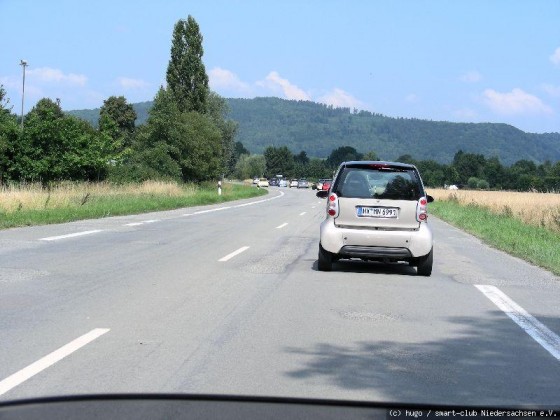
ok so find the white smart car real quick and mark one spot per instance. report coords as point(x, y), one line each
point(377, 211)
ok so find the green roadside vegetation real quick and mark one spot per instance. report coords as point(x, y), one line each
point(111, 204)
point(531, 243)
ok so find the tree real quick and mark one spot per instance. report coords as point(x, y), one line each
point(217, 111)
point(371, 155)
point(186, 75)
point(117, 119)
point(117, 110)
point(176, 145)
point(301, 158)
point(494, 172)
point(317, 168)
point(9, 132)
point(342, 154)
point(55, 147)
point(469, 165)
point(279, 161)
point(239, 149)
point(250, 166)
point(200, 147)
point(5, 107)
point(156, 151)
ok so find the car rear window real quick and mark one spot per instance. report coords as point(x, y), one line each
point(381, 183)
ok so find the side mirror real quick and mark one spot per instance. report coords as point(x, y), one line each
point(322, 194)
point(430, 199)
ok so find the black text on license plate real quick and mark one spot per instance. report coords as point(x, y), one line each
point(383, 212)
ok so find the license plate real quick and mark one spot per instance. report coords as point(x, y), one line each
point(381, 212)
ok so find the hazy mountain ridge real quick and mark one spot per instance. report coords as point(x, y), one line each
point(318, 129)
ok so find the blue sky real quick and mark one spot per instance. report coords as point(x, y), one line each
point(467, 61)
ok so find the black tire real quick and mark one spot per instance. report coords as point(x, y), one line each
point(424, 264)
point(325, 260)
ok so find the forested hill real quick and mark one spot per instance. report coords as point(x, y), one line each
point(318, 129)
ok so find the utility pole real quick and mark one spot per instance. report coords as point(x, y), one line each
point(23, 64)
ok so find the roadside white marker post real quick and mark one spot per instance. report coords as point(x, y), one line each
point(219, 187)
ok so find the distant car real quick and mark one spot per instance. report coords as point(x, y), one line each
point(283, 183)
point(273, 182)
point(263, 182)
point(326, 184)
point(320, 184)
point(303, 183)
point(256, 181)
point(294, 183)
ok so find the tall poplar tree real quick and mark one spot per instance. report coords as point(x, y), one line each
point(186, 75)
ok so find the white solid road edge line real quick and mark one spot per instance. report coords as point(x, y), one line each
point(33, 369)
point(70, 235)
point(260, 201)
point(282, 225)
point(537, 330)
point(211, 210)
point(234, 253)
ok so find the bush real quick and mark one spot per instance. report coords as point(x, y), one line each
point(482, 184)
point(473, 182)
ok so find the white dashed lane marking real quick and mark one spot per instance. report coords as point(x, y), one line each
point(70, 235)
point(50, 359)
point(233, 254)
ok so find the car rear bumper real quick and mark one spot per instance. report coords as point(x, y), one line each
point(371, 243)
point(356, 251)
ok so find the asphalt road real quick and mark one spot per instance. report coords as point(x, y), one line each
point(227, 299)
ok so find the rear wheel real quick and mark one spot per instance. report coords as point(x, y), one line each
point(325, 260)
point(424, 264)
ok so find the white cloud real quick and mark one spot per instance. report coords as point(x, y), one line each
point(412, 98)
point(10, 82)
point(551, 90)
point(555, 57)
point(129, 83)
point(275, 82)
point(227, 80)
point(515, 102)
point(472, 76)
point(46, 74)
point(339, 98)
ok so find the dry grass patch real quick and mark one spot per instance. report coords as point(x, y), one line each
point(20, 197)
point(533, 208)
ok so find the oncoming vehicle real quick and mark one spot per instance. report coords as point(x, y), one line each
point(294, 183)
point(377, 211)
point(283, 183)
point(263, 182)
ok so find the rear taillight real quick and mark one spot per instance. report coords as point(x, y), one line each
point(332, 205)
point(422, 210)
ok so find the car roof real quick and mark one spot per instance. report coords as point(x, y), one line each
point(359, 163)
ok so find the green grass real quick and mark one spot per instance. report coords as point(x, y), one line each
point(123, 204)
point(537, 245)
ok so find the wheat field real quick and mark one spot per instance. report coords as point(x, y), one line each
point(538, 209)
point(74, 194)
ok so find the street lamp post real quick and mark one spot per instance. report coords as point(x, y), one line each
point(23, 64)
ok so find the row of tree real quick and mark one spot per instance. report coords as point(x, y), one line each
point(467, 169)
point(186, 136)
